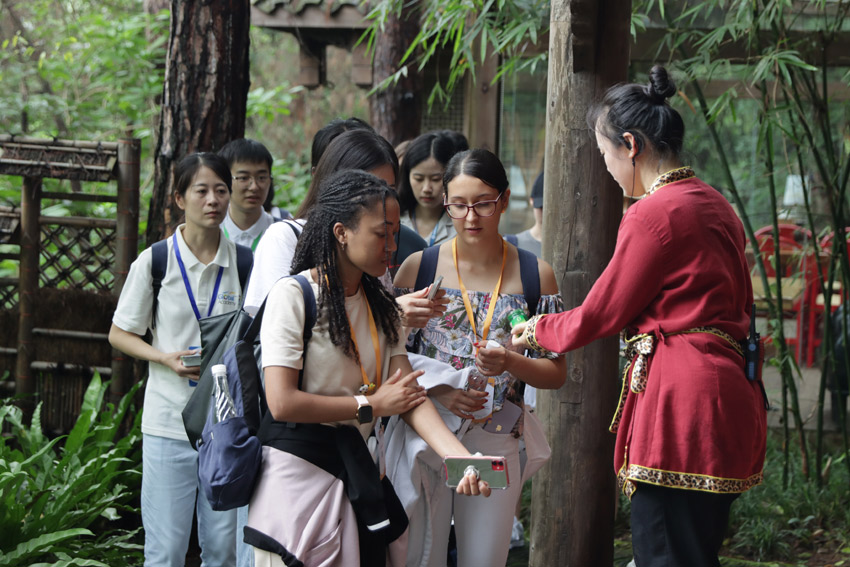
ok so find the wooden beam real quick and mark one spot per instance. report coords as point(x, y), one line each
point(25, 385)
point(574, 494)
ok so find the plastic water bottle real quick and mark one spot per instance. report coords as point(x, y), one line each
point(224, 406)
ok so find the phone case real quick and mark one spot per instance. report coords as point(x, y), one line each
point(191, 360)
point(492, 469)
point(435, 288)
point(503, 421)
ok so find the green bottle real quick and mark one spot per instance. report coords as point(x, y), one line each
point(516, 317)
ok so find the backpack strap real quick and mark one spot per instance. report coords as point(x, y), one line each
point(253, 330)
point(244, 263)
point(427, 267)
point(530, 276)
point(159, 262)
point(512, 239)
point(296, 228)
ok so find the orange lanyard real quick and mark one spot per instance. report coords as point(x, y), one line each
point(368, 386)
point(495, 295)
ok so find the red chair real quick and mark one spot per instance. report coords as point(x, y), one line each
point(797, 265)
point(816, 300)
point(794, 232)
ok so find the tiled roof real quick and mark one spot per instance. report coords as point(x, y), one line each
point(296, 7)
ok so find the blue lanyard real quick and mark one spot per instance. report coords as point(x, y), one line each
point(189, 288)
point(433, 236)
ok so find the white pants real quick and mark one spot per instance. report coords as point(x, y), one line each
point(482, 525)
point(170, 497)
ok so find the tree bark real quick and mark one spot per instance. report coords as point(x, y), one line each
point(205, 93)
point(574, 494)
point(396, 112)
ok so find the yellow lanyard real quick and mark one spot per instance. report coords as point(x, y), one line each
point(368, 386)
point(495, 295)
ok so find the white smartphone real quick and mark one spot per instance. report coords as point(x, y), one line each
point(492, 469)
point(191, 359)
point(435, 287)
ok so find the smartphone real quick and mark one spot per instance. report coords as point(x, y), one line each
point(191, 359)
point(492, 469)
point(435, 287)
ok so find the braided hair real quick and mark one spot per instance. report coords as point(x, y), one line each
point(343, 197)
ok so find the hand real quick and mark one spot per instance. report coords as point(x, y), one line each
point(398, 395)
point(519, 337)
point(492, 361)
point(459, 402)
point(172, 361)
point(471, 485)
point(417, 309)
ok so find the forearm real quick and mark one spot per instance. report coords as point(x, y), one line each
point(544, 373)
point(287, 403)
point(133, 345)
point(426, 421)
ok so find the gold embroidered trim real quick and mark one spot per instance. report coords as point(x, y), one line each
point(531, 334)
point(672, 176)
point(627, 477)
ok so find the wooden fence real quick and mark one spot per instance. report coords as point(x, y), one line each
point(56, 312)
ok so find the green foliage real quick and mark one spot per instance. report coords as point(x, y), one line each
point(468, 29)
point(62, 498)
point(777, 522)
point(86, 69)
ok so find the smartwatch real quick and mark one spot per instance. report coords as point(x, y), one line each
point(364, 410)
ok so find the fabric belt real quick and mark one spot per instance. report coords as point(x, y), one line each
point(637, 352)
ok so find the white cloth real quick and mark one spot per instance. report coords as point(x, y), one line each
point(415, 470)
point(176, 325)
point(253, 233)
point(272, 261)
point(328, 371)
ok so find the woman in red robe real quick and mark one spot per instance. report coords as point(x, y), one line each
point(690, 425)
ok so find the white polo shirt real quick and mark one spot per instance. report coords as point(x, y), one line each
point(250, 237)
point(272, 260)
point(177, 328)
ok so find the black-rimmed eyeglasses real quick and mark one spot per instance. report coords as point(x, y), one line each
point(481, 208)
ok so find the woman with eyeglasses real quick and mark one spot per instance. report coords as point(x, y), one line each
point(481, 276)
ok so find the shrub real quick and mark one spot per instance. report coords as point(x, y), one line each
point(62, 498)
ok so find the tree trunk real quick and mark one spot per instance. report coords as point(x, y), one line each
point(205, 93)
point(396, 112)
point(574, 494)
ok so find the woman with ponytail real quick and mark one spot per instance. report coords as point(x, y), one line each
point(691, 424)
point(320, 498)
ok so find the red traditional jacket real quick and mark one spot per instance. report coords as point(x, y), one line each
point(690, 419)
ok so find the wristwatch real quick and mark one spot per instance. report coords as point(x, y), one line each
point(364, 410)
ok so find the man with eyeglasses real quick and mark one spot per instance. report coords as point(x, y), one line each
point(250, 164)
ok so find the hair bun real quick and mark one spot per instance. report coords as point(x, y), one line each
point(660, 86)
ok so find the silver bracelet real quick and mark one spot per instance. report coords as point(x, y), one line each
point(471, 470)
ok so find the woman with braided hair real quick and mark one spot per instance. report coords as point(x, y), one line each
point(691, 424)
point(320, 498)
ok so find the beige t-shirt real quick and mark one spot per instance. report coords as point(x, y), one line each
point(328, 370)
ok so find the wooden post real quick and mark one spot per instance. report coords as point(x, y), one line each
point(481, 119)
point(574, 494)
point(25, 384)
point(127, 242)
